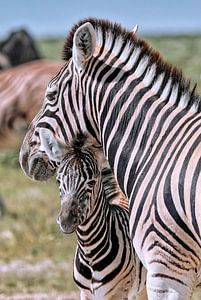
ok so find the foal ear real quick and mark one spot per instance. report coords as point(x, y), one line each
point(54, 149)
point(84, 43)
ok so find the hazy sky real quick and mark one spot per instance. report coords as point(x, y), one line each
point(55, 17)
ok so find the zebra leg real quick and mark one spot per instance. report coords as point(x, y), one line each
point(161, 288)
point(142, 295)
point(83, 296)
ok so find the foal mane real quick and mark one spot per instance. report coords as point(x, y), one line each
point(154, 58)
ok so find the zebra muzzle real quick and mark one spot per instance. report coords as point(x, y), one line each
point(39, 168)
point(68, 218)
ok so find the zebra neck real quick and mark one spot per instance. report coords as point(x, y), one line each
point(131, 98)
point(96, 228)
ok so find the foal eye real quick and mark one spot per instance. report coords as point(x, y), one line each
point(31, 144)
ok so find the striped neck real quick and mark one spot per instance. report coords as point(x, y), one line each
point(91, 233)
point(134, 85)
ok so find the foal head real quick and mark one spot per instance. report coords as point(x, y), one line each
point(79, 181)
point(79, 175)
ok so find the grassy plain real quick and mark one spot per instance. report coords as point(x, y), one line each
point(28, 230)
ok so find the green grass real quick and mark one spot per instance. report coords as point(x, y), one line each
point(28, 230)
point(183, 51)
point(51, 48)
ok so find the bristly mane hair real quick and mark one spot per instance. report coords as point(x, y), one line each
point(167, 69)
point(81, 143)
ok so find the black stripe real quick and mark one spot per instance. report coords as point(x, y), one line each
point(193, 196)
point(168, 277)
point(157, 168)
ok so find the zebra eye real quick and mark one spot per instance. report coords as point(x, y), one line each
point(31, 144)
point(91, 183)
point(51, 95)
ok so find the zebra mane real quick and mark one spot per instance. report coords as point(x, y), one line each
point(82, 141)
point(80, 145)
point(192, 99)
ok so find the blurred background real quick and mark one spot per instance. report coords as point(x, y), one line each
point(35, 258)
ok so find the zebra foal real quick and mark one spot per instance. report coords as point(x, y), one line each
point(105, 266)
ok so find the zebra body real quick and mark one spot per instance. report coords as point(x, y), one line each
point(146, 118)
point(104, 264)
point(21, 93)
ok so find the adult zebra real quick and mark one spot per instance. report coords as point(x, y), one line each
point(148, 121)
point(105, 266)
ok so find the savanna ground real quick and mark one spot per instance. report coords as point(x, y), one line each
point(35, 258)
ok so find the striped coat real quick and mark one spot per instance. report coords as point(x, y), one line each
point(147, 119)
point(105, 266)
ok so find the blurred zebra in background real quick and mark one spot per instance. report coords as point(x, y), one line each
point(21, 94)
point(105, 266)
point(19, 47)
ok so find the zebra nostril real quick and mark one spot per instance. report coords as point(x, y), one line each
point(75, 221)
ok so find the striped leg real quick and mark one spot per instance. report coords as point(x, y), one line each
point(83, 296)
point(166, 289)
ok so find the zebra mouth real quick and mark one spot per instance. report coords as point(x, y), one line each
point(40, 168)
point(67, 230)
point(68, 227)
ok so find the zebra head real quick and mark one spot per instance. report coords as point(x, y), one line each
point(78, 176)
point(74, 98)
point(33, 159)
point(62, 117)
point(79, 181)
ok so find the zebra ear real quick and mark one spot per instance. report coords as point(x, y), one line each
point(84, 43)
point(54, 149)
point(135, 29)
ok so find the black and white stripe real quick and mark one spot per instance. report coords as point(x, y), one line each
point(147, 119)
point(104, 265)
